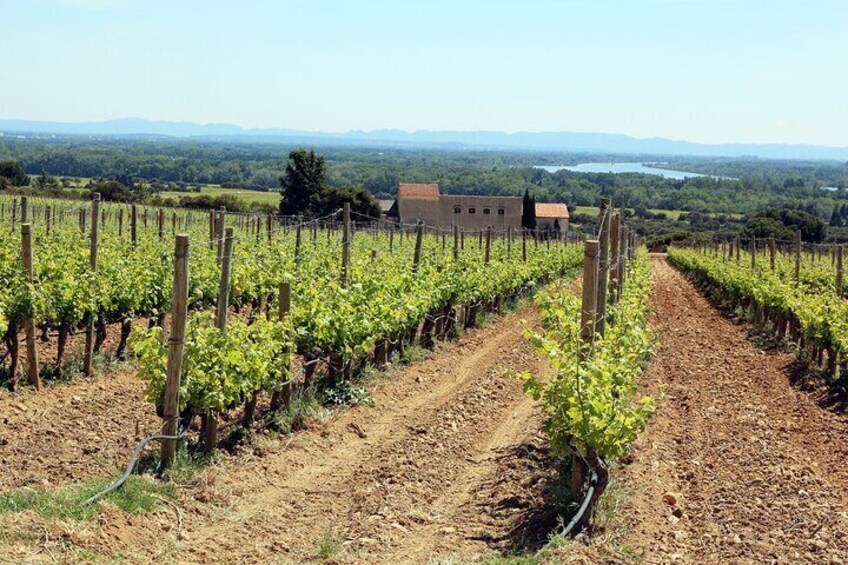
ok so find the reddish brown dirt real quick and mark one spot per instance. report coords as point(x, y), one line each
point(71, 431)
point(446, 462)
point(757, 469)
point(737, 466)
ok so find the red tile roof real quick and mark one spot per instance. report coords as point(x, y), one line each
point(545, 210)
point(418, 191)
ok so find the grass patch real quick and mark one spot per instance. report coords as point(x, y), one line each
point(248, 196)
point(414, 352)
point(137, 495)
point(304, 410)
point(329, 546)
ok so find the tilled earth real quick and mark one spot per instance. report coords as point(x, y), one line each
point(737, 465)
point(449, 461)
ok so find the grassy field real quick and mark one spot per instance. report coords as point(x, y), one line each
point(670, 214)
point(249, 196)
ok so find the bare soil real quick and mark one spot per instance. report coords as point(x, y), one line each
point(448, 461)
point(737, 465)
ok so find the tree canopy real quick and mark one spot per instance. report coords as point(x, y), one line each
point(783, 224)
point(305, 191)
point(13, 173)
point(528, 211)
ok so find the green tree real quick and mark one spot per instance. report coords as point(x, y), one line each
point(528, 211)
point(305, 192)
point(302, 183)
point(46, 182)
point(114, 191)
point(14, 173)
point(783, 223)
point(835, 218)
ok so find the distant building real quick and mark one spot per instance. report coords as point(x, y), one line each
point(385, 207)
point(424, 202)
point(552, 216)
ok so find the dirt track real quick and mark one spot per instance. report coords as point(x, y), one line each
point(737, 466)
point(437, 466)
point(759, 469)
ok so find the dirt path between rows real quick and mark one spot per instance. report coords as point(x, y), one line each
point(449, 462)
point(757, 469)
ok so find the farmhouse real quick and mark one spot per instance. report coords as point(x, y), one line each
point(424, 202)
point(552, 216)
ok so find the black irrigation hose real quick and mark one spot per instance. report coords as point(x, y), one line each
point(131, 465)
point(582, 510)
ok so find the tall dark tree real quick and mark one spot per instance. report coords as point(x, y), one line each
point(305, 192)
point(302, 183)
point(528, 211)
point(14, 173)
point(836, 217)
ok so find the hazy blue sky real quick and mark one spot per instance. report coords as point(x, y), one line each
point(703, 70)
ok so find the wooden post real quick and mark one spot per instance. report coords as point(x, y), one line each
point(14, 212)
point(282, 396)
point(772, 251)
point(89, 328)
point(47, 219)
point(224, 283)
point(456, 243)
point(738, 250)
point(213, 228)
point(210, 439)
point(588, 320)
point(346, 245)
point(588, 317)
point(623, 254)
point(488, 245)
point(134, 224)
point(29, 323)
point(24, 209)
point(179, 310)
point(419, 237)
point(297, 243)
point(524, 245)
point(753, 247)
point(839, 263)
point(268, 226)
point(606, 221)
point(160, 223)
point(615, 245)
point(219, 233)
point(120, 222)
point(509, 242)
point(798, 256)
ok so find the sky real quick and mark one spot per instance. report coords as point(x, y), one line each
point(712, 71)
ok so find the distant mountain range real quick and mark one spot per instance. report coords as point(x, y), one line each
point(574, 142)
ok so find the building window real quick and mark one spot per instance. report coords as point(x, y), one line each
point(486, 211)
point(501, 211)
point(472, 210)
point(457, 210)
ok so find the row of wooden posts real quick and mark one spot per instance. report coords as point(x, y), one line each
point(605, 263)
point(92, 219)
point(224, 237)
point(733, 248)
